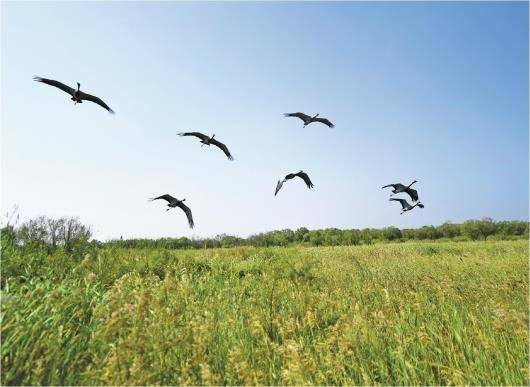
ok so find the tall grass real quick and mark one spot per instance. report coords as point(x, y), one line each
point(414, 313)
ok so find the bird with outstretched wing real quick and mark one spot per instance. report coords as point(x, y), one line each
point(206, 140)
point(308, 119)
point(174, 202)
point(304, 176)
point(77, 95)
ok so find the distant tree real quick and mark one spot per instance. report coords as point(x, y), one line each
point(300, 233)
point(367, 236)
point(33, 233)
point(331, 237)
point(391, 233)
point(52, 233)
point(450, 230)
point(315, 238)
point(477, 229)
point(74, 232)
point(350, 237)
point(55, 228)
point(229, 241)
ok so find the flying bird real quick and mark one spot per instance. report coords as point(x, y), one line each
point(399, 188)
point(406, 206)
point(290, 176)
point(174, 202)
point(308, 119)
point(77, 95)
point(205, 140)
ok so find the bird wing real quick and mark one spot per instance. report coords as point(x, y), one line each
point(93, 98)
point(302, 116)
point(396, 186)
point(223, 147)
point(169, 198)
point(57, 84)
point(324, 121)
point(403, 202)
point(187, 211)
point(413, 194)
point(305, 178)
point(389, 185)
point(195, 134)
point(279, 186)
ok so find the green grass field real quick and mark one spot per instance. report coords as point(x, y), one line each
point(411, 313)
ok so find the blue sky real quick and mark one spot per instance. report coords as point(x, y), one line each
point(436, 92)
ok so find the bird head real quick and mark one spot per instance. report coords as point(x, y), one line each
point(420, 204)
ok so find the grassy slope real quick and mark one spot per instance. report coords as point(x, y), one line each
point(414, 313)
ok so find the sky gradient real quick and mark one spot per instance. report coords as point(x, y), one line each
point(436, 92)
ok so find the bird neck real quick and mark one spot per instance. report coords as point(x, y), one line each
point(411, 184)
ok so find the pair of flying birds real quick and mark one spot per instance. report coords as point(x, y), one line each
point(400, 188)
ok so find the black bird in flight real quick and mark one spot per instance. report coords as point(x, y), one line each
point(205, 140)
point(406, 206)
point(308, 119)
point(399, 188)
point(290, 176)
point(174, 202)
point(77, 95)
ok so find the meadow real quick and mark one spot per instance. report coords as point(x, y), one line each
point(398, 313)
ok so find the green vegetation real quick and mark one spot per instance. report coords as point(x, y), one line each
point(469, 230)
point(69, 233)
point(395, 313)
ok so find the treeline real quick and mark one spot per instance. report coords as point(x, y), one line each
point(70, 234)
point(470, 230)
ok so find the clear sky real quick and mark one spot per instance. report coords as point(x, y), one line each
point(436, 92)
